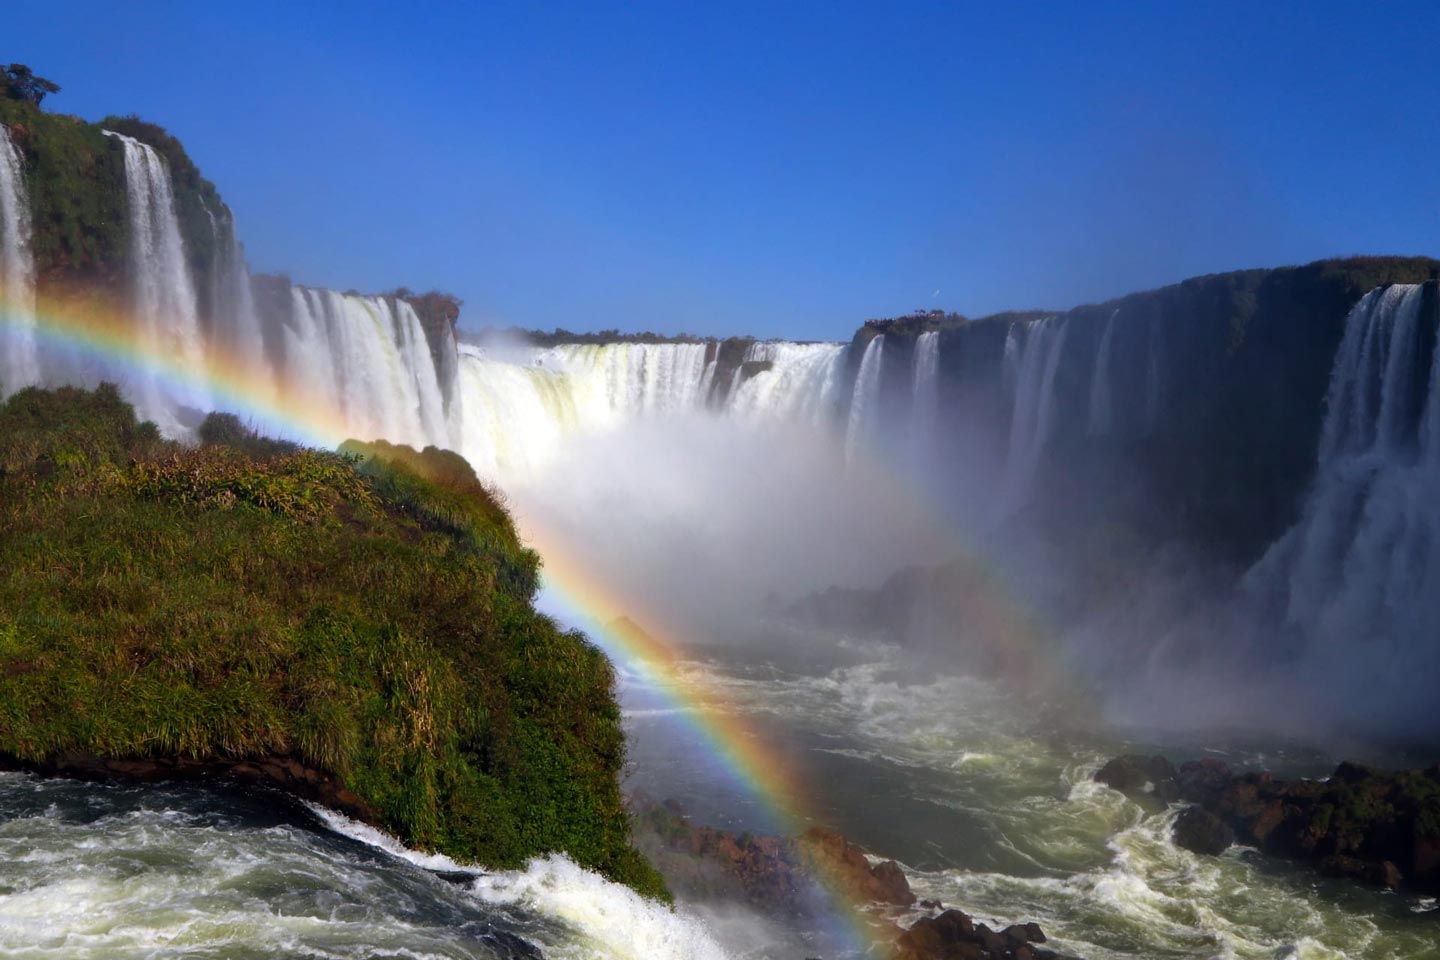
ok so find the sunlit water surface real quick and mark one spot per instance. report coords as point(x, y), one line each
point(984, 796)
point(988, 800)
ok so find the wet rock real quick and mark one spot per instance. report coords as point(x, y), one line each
point(775, 874)
point(1131, 773)
point(1383, 874)
point(845, 865)
point(953, 935)
point(1199, 830)
point(1025, 933)
point(1374, 826)
point(1202, 781)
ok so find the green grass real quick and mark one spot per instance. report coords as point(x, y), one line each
point(368, 614)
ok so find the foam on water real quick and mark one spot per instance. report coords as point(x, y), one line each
point(91, 871)
point(611, 920)
point(1023, 832)
point(614, 920)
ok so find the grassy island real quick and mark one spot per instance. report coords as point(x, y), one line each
point(356, 627)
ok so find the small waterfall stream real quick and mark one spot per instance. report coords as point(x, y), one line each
point(19, 361)
point(1034, 358)
point(1359, 574)
point(864, 401)
point(162, 290)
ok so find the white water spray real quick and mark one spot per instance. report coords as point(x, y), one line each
point(801, 384)
point(162, 290)
point(865, 401)
point(19, 359)
point(925, 397)
point(1102, 393)
point(1359, 574)
point(1033, 358)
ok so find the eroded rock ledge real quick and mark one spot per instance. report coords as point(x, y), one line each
point(1376, 826)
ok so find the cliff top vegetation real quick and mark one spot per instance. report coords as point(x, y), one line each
point(363, 617)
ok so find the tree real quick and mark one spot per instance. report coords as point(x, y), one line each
point(22, 84)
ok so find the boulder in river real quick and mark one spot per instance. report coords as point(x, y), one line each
point(953, 935)
point(1199, 830)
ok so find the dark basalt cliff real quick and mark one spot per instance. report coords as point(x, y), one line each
point(1223, 456)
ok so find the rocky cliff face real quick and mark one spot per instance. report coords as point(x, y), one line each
point(1191, 412)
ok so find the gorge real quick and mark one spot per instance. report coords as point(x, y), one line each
point(1203, 509)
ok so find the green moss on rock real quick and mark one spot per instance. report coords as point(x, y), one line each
point(76, 180)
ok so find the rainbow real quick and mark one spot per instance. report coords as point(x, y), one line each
point(110, 338)
point(740, 749)
point(102, 336)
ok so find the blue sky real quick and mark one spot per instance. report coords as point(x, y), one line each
point(776, 169)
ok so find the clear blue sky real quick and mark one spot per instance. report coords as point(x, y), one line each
point(778, 169)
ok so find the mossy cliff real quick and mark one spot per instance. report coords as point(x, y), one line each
point(75, 176)
point(356, 628)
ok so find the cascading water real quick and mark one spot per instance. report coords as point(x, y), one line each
point(520, 410)
point(925, 398)
point(707, 379)
point(19, 359)
point(614, 382)
point(864, 401)
point(800, 385)
point(163, 293)
point(1102, 402)
point(367, 358)
point(238, 332)
point(1032, 359)
point(1359, 574)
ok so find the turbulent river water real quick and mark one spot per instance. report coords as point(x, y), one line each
point(985, 797)
point(98, 871)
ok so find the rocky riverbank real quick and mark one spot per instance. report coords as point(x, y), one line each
point(1375, 826)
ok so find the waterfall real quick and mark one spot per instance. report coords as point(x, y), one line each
point(163, 294)
point(707, 379)
point(864, 400)
point(367, 366)
point(519, 411)
point(420, 369)
point(925, 399)
point(617, 381)
point(19, 360)
point(1032, 363)
point(801, 384)
point(368, 360)
point(238, 333)
point(1102, 391)
point(1359, 574)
